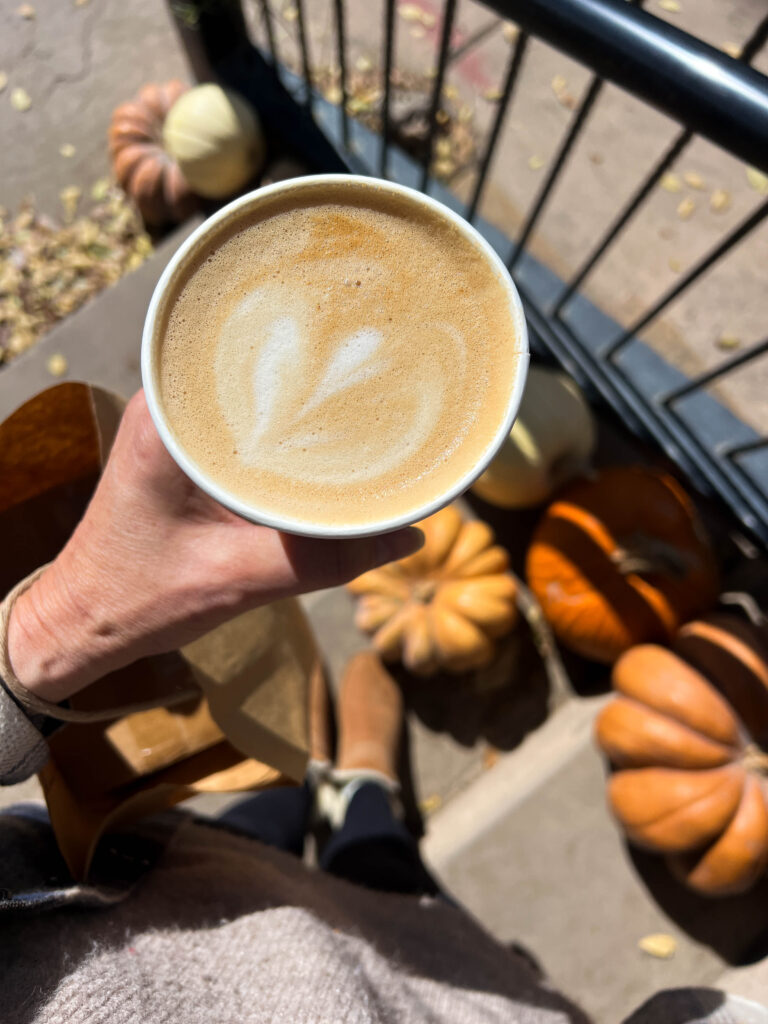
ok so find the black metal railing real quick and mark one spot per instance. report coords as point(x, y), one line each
point(709, 93)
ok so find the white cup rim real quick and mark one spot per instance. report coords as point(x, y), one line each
point(250, 511)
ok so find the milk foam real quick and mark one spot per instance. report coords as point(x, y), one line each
point(289, 410)
point(342, 358)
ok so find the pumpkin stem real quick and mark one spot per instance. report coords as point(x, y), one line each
point(748, 605)
point(642, 555)
point(755, 759)
point(424, 590)
point(561, 687)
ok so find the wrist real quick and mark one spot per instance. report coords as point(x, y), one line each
point(52, 648)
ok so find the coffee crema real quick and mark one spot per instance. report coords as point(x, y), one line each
point(337, 355)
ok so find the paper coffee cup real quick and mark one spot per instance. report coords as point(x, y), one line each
point(200, 239)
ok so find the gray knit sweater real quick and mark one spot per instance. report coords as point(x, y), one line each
point(224, 930)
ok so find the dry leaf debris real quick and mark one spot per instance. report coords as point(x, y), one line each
point(20, 99)
point(48, 269)
point(659, 945)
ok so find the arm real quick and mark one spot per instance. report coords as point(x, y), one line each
point(156, 563)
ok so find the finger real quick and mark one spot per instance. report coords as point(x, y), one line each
point(328, 563)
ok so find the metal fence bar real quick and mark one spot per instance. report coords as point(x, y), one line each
point(567, 145)
point(745, 498)
point(619, 223)
point(342, 56)
point(694, 83)
point(266, 14)
point(474, 40)
point(720, 250)
point(737, 450)
point(750, 48)
point(389, 50)
point(756, 41)
point(702, 379)
point(304, 48)
point(513, 68)
point(449, 12)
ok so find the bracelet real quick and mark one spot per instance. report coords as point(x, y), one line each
point(31, 704)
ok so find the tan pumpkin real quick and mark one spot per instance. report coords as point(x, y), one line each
point(688, 734)
point(443, 607)
point(215, 136)
point(140, 163)
point(619, 559)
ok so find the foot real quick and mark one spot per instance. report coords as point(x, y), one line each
point(320, 744)
point(370, 717)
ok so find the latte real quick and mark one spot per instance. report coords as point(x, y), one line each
point(336, 354)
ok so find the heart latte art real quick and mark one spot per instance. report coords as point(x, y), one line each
point(338, 359)
point(301, 409)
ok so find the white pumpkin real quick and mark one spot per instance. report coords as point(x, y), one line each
point(552, 440)
point(215, 137)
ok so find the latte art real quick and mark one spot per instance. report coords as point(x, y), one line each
point(337, 357)
point(297, 401)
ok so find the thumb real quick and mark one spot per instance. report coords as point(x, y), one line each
point(328, 563)
point(389, 547)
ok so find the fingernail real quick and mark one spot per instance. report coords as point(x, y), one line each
point(392, 546)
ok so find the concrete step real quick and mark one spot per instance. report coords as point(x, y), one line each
point(530, 849)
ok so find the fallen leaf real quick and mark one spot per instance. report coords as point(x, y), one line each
point(757, 180)
point(67, 150)
point(430, 804)
point(450, 92)
point(659, 945)
point(364, 64)
point(694, 180)
point(70, 197)
point(20, 99)
point(100, 189)
point(27, 11)
point(675, 264)
point(57, 365)
point(671, 182)
point(334, 95)
point(490, 757)
point(442, 116)
point(536, 162)
point(671, 6)
point(290, 13)
point(409, 12)
point(443, 147)
point(3, 80)
point(418, 32)
point(465, 113)
point(560, 89)
point(732, 49)
point(720, 200)
point(81, 3)
point(728, 342)
point(686, 208)
point(444, 168)
point(428, 20)
point(492, 95)
point(510, 31)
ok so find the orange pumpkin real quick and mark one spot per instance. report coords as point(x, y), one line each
point(688, 734)
point(140, 164)
point(621, 559)
point(445, 605)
